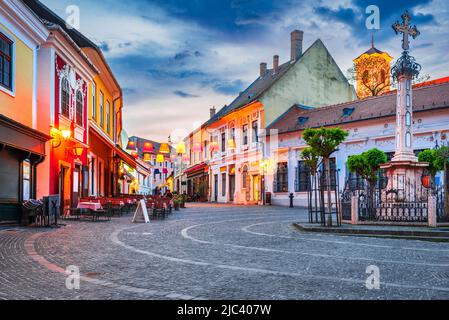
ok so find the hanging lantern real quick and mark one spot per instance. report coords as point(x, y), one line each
point(197, 147)
point(147, 157)
point(78, 151)
point(147, 147)
point(135, 155)
point(181, 148)
point(214, 147)
point(164, 149)
point(231, 144)
point(160, 158)
point(186, 158)
point(426, 180)
point(131, 146)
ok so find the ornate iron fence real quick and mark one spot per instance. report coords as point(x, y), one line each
point(441, 215)
point(323, 199)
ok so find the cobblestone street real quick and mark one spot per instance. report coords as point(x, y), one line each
point(216, 252)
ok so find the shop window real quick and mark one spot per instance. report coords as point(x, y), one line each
point(26, 181)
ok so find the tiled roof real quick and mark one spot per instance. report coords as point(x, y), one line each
point(424, 99)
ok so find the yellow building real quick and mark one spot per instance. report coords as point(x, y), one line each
point(372, 73)
point(22, 147)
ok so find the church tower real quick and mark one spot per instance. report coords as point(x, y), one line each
point(372, 73)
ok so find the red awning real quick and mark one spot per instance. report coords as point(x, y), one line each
point(200, 168)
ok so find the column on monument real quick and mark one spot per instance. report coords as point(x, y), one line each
point(404, 127)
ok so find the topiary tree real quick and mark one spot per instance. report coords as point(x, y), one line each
point(367, 166)
point(435, 165)
point(323, 143)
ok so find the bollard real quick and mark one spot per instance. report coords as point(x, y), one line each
point(432, 212)
point(291, 200)
point(354, 210)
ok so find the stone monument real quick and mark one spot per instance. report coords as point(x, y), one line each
point(404, 172)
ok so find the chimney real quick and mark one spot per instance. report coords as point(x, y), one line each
point(275, 63)
point(212, 112)
point(297, 37)
point(263, 69)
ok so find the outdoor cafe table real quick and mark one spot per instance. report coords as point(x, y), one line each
point(90, 205)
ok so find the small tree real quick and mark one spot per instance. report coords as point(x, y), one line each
point(367, 166)
point(323, 143)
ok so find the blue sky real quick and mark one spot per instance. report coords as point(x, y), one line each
point(175, 59)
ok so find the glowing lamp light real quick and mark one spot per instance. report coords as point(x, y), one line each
point(135, 155)
point(181, 148)
point(164, 149)
point(131, 146)
point(148, 147)
point(160, 158)
point(66, 134)
point(147, 157)
point(231, 144)
point(78, 151)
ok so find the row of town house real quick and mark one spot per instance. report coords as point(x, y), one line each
point(255, 144)
point(60, 114)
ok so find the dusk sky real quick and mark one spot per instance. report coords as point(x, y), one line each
point(175, 59)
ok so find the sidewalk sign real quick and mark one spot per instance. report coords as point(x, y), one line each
point(141, 214)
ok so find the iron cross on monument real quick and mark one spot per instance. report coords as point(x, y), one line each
point(406, 30)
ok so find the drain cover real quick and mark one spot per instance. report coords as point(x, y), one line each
point(93, 274)
point(444, 276)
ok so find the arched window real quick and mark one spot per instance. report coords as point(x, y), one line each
point(79, 108)
point(65, 98)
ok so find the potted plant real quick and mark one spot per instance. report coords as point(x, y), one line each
point(183, 199)
point(177, 203)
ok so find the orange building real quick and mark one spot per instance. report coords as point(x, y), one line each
point(22, 146)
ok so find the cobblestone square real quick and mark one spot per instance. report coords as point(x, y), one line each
point(215, 252)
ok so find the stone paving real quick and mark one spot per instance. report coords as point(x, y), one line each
point(216, 252)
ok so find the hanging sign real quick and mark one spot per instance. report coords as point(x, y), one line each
point(141, 214)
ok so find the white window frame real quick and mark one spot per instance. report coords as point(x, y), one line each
point(11, 92)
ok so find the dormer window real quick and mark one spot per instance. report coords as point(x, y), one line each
point(303, 120)
point(347, 112)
